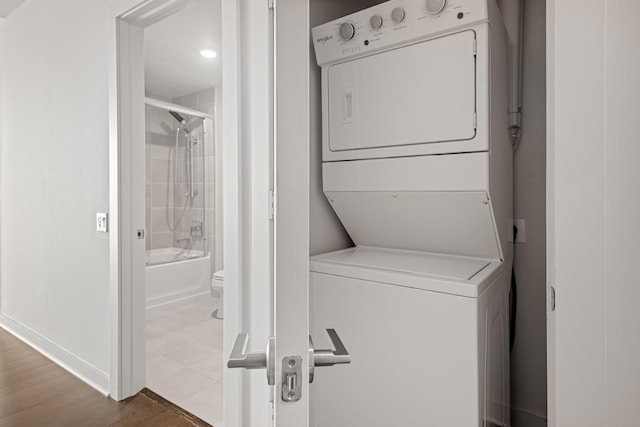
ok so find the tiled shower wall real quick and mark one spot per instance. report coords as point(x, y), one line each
point(160, 134)
point(169, 213)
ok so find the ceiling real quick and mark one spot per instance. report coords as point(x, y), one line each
point(173, 64)
point(8, 6)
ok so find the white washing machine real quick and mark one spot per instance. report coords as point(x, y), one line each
point(427, 335)
point(417, 165)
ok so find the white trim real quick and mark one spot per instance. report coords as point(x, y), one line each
point(550, 216)
point(73, 364)
point(151, 11)
point(232, 208)
point(126, 205)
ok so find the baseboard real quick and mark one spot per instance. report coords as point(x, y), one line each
point(522, 418)
point(68, 361)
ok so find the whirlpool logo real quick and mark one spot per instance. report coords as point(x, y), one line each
point(324, 39)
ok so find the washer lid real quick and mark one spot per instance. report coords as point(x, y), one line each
point(464, 276)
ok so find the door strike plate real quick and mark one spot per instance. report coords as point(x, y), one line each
point(291, 378)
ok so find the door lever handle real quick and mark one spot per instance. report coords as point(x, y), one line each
point(328, 357)
point(240, 358)
point(332, 357)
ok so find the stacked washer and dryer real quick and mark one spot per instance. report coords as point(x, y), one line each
point(417, 164)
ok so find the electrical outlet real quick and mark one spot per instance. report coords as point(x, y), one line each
point(102, 222)
point(521, 237)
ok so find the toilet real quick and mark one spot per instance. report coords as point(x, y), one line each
point(217, 287)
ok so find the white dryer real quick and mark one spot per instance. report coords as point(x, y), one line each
point(417, 165)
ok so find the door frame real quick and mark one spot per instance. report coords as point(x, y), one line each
point(247, 140)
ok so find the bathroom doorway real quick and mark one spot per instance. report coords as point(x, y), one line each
point(170, 204)
point(184, 317)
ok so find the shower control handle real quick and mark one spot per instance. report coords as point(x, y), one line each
point(328, 357)
point(239, 357)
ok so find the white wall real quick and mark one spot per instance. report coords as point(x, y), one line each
point(528, 360)
point(593, 63)
point(54, 178)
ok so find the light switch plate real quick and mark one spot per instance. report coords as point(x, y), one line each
point(102, 222)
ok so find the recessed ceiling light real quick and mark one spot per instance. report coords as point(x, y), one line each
point(208, 53)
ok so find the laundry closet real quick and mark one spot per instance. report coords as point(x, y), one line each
point(412, 194)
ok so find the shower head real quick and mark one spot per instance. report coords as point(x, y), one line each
point(178, 117)
point(192, 123)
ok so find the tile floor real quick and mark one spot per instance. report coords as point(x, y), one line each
point(184, 357)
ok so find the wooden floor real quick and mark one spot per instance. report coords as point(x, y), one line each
point(36, 392)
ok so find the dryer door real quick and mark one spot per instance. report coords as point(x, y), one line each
point(419, 94)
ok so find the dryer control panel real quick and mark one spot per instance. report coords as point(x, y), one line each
point(389, 24)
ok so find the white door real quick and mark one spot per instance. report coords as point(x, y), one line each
point(291, 394)
point(281, 253)
point(287, 357)
point(593, 200)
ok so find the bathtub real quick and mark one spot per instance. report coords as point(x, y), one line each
point(174, 275)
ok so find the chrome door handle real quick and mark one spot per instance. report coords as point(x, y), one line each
point(239, 357)
point(328, 357)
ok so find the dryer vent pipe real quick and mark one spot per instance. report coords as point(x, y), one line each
point(513, 15)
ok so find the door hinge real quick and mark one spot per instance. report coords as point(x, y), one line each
point(475, 47)
point(271, 4)
point(553, 298)
point(272, 203)
point(475, 120)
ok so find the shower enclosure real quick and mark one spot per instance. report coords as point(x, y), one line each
point(179, 150)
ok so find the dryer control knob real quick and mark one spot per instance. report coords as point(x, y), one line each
point(397, 15)
point(347, 31)
point(375, 22)
point(434, 7)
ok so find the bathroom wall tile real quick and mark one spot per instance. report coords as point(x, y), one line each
point(161, 220)
point(197, 214)
point(161, 240)
point(191, 100)
point(180, 196)
point(196, 202)
point(159, 171)
point(208, 108)
point(159, 122)
point(161, 145)
point(178, 100)
point(182, 219)
point(183, 172)
point(160, 196)
point(198, 170)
